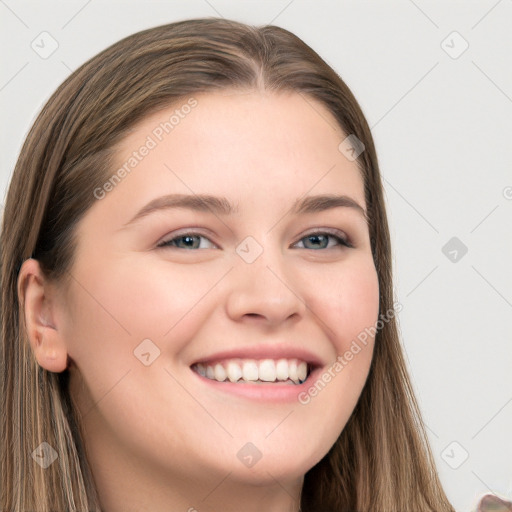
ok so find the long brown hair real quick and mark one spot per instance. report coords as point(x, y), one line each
point(382, 461)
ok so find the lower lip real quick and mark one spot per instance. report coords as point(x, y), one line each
point(265, 392)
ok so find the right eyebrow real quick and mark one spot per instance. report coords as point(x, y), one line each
point(197, 202)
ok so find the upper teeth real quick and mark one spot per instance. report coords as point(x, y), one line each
point(268, 370)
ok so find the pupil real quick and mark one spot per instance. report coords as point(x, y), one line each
point(316, 238)
point(189, 240)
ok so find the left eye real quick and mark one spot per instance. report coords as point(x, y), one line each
point(322, 239)
point(318, 240)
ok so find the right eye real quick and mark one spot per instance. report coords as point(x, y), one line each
point(185, 241)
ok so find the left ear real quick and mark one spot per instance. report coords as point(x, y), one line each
point(38, 305)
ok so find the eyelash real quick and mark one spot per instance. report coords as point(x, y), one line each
point(344, 242)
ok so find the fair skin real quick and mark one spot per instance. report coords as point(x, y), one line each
point(161, 437)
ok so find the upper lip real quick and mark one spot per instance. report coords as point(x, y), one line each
point(263, 352)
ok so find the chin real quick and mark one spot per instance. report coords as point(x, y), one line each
point(272, 466)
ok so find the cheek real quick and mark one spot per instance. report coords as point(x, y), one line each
point(349, 309)
point(114, 308)
point(347, 303)
point(139, 300)
point(117, 306)
point(346, 300)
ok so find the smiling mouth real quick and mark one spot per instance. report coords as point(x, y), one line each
point(253, 371)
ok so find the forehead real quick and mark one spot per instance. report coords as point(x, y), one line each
point(246, 136)
point(262, 151)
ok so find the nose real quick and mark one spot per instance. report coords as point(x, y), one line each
point(263, 291)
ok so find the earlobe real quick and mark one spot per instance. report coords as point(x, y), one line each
point(38, 308)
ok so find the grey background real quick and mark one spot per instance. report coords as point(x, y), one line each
point(442, 122)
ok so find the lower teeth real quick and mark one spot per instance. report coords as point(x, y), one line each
point(282, 382)
point(289, 382)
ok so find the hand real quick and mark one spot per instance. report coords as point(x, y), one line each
point(491, 503)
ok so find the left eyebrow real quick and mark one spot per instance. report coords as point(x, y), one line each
point(221, 205)
point(320, 203)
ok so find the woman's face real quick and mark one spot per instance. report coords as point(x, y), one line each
point(188, 287)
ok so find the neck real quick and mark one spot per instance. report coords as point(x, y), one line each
point(134, 489)
point(129, 483)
